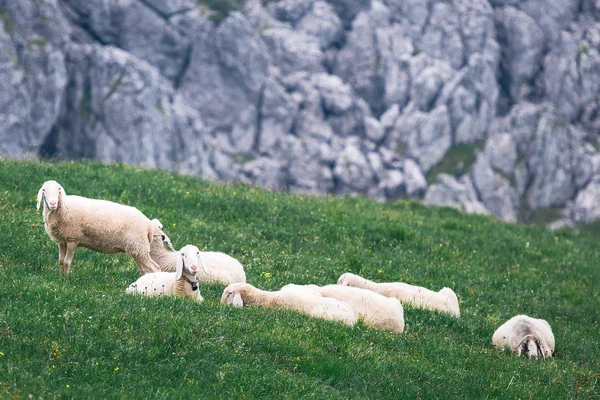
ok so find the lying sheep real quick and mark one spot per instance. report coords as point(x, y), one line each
point(240, 294)
point(523, 334)
point(374, 309)
point(98, 225)
point(217, 267)
point(445, 300)
point(182, 282)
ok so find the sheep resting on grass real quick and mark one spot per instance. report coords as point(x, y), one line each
point(523, 334)
point(240, 294)
point(183, 282)
point(98, 225)
point(445, 300)
point(216, 267)
point(374, 309)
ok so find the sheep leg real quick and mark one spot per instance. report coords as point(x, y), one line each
point(146, 264)
point(62, 251)
point(70, 252)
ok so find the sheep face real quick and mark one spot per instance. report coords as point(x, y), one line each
point(51, 193)
point(231, 295)
point(188, 259)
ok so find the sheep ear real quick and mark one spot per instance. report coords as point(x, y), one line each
point(237, 300)
point(39, 198)
point(62, 196)
point(179, 267)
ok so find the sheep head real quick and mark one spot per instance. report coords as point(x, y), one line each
point(233, 294)
point(532, 347)
point(188, 260)
point(157, 228)
point(349, 279)
point(52, 194)
point(166, 241)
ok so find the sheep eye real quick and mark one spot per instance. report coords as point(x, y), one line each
point(163, 237)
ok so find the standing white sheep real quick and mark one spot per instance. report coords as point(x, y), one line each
point(374, 309)
point(98, 225)
point(183, 282)
point(445, 300)
point(218, 267)
point(240, 294)
point(523, 334)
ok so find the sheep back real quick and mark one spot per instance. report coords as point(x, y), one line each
point(101, 225)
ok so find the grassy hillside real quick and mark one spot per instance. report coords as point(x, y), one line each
point(84, 338)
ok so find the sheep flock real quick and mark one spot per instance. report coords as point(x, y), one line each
point(107, 227)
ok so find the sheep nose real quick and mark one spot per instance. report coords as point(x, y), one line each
point(52, 203)
point(194, 268)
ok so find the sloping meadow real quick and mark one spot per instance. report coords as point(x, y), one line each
point(83, 337)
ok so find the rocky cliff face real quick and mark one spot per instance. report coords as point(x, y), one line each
point(487, 105)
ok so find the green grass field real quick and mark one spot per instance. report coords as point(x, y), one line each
point(84, 338)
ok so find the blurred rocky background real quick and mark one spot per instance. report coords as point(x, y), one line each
point(491, 106)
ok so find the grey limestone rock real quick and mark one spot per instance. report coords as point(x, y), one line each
point(277, 112)
point(374, 130)
point(584, 208)
point(501, 152)
point(308, 162)
point(552, 15)
point(441, 37)
point(122, 110)
point(169, 8)
point(428, 78)
point(553, 160)
point(293, 51)
point(336, 96)
point(471, 97)
point(574, 62)
point(415, 183)
point(33, 75)
point(266, 172)
point(375, 59)
point(406, 181)
point(290, 10)
point(494, 190)
point(348, 9)
point(353, 170)
point(225, 73)
point(523, 45)
point(322, 22)
point(461, 194)
point(136, 27)
point(423, 137)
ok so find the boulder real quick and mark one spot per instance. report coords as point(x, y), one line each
point(321, 22)
point(424, 137)
point(494, 190)
point(461, 194)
